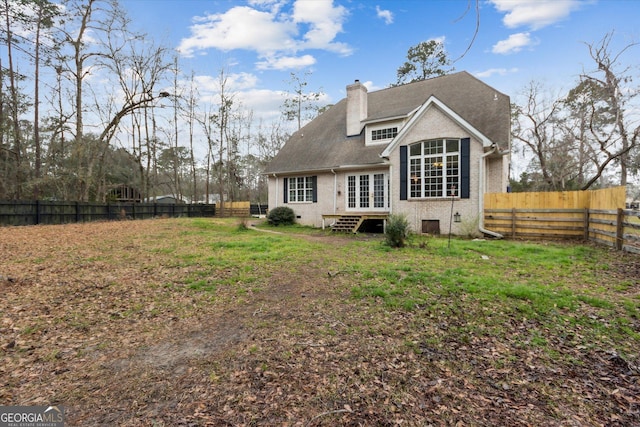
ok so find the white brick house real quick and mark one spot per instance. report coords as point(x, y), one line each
point(411, 149)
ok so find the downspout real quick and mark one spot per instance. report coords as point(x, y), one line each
point(335, 191)
point(389, 190)
point(390, 201)
point(277, 192)
point(481, 179)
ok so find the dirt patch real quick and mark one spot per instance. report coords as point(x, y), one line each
point(173, 352)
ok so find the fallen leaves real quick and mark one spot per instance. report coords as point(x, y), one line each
point(100, 318)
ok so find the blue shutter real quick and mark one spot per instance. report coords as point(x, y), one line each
point(286, 189)
point(314, 184)
point(403, 172)
point(465, 165)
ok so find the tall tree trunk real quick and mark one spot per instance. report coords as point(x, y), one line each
point(36, 109)
point(79, 74)
point(13, 89)
point(176, 157)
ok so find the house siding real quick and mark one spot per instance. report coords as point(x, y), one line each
point(436, 124)
point(497, 175)
point(307, 213)
point(454, 106)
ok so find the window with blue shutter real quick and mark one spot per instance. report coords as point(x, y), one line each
point(314, 183)
point(286, 190)
point(403, 172)
point(436, 168)
point(465, 167)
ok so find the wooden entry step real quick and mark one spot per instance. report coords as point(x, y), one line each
point(348, 223)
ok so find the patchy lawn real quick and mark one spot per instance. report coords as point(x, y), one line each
point(195, 322)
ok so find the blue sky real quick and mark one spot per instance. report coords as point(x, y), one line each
point(260, 42)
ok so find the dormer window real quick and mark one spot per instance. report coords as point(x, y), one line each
point(386, 133)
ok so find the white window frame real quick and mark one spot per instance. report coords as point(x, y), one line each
point(434, 168)
point(300, 189)
point(367, 191)
point(389, 132)
point(386, 127)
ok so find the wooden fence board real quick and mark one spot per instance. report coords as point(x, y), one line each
point(596, 215)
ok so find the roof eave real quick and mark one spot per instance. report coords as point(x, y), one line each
point(325, 170)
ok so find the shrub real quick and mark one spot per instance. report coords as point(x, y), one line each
point(282, 215)
point(397, 231)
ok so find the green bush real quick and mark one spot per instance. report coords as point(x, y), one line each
point(282, 215)
point(397, 231)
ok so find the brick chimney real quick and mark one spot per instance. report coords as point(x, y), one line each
point(356, 107)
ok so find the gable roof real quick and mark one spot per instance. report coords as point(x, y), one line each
point(415, 117)
point(323, 145)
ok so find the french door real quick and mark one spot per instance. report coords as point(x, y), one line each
point(368, 192)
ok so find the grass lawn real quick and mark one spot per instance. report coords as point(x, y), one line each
point(194, 322)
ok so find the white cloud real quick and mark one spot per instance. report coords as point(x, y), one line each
point(264, 103)
point(535, 14)
point(240, 27)
point(385, 15)
point(274, 35)
point(286, 62)
point(209, 86)
point(515, 43)
point(325, 21)
point(495, 71)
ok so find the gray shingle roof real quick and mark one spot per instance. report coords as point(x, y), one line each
point(322, 144)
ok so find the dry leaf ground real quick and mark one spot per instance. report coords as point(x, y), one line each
point(112, 321)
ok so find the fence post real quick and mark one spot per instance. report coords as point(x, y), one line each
point(586, 224)
point(513, 223)
point(619, 229)
point(38, 212)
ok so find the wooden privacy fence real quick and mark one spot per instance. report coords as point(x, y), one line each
point(35, 212)
point(237, 209)
point(596, 215)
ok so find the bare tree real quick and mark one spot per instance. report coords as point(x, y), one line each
point(13, 14)
point(575, 139)
point(190, 115)
point(206, 122)
point(77, 63)
point(221, 120)
point(136, 65)
point(300, 105)
point(536, 127)
point(45, 14)
point(587, 112)
point(614, 142)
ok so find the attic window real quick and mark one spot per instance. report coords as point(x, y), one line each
point(387, 133)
